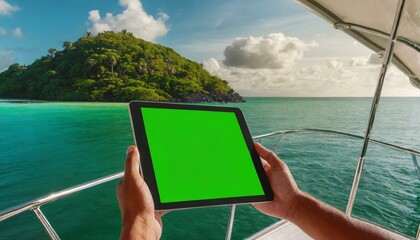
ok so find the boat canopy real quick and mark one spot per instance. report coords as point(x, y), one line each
point(370, 23)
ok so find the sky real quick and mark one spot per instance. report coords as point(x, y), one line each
point(262, 48)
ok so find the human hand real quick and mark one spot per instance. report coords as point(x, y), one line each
point(282, 183)
point(139, 219)
point(315, 218)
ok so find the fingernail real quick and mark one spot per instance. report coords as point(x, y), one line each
point(129, 149)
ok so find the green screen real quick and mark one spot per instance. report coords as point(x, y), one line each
point(199, 155)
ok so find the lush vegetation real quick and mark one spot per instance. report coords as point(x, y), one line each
point(114, 67)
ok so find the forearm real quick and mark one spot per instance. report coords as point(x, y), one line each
point(321, 221)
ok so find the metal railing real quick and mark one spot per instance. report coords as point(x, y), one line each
point(36, 204)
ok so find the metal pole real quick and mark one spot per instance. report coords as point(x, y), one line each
point(416, 165)
point(50, 230)
point(277, 148)
point(385, 63)
point(44, 200)
point(230, 224)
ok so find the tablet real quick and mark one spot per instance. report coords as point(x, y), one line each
point(197, 156)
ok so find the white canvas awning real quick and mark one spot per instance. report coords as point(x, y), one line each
point(370, 23)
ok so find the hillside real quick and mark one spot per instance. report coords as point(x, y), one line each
point(114, 67)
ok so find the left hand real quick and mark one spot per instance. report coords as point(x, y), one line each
point(139, 219)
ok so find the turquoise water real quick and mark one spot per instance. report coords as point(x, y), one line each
point(45, 147)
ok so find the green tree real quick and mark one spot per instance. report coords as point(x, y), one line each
point(52, 52)
point(113, 67)
point(112, 60)
point(67, 45)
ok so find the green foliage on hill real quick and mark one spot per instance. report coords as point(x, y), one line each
point(114, 67)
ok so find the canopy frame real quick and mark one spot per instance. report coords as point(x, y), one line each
point(356, 33)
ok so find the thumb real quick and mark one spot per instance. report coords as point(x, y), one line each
point(132, 163)
point(268, 155)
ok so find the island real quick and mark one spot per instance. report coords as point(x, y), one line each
point(114, 67)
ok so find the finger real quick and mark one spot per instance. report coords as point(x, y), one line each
point(146, 194)
point(158, 218)
point(119, 185)
point(263, 162)
point(258, 205)
point(161, 213)
point(265, 165)
point(268, 155)
point(132, 163)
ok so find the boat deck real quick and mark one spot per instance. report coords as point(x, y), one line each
point(287, 230)
point(281, 230)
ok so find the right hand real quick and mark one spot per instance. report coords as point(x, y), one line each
point(315, 218)
point(285, 190)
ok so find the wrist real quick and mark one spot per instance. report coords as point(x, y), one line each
point(295, 208)
point(139, 227)
point(129, 219)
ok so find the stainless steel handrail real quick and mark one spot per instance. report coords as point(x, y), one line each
point(230, 222)
point(332, 132)
point(37, 203)
point(55, 196)
point(389, 53)
point(34, 204)
point(44, 221)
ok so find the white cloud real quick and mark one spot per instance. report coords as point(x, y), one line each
point(312, 77)
point(358, 61)
point(262, 66)
point(17, 33)
point(397, 84)
point(274, 51)
point(6, 8)
point(6, 59)
point(211, 65)
point(134, 18)
point(370, 61)
point(374, 59)
point(334, 63)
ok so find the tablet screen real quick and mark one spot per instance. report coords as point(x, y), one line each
point(197, 155)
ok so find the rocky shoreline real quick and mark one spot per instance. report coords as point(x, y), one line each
point(232, 97)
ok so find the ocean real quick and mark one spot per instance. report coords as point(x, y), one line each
point(49, 146)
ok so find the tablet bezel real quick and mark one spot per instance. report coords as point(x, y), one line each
point(147, 170)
